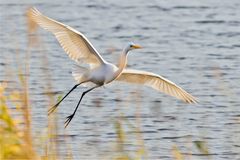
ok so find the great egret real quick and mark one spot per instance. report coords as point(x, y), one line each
point(101, 72)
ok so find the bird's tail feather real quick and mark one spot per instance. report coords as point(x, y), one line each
point(79, 73)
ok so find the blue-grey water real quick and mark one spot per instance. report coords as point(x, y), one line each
point(194, 43)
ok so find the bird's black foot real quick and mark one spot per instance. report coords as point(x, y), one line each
point(52, 109)
point(68, 120)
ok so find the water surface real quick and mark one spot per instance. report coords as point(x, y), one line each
point(193, 43)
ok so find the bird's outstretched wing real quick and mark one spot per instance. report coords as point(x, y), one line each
point(75, 44)
point(157, 82)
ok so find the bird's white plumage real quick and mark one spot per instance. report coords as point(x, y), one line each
point(79, 72)
point(157, 82)
point(75, 44)
point(80, 49)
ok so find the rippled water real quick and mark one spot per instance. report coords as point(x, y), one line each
point(193, 43)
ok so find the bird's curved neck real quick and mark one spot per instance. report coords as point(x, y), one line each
point(122, 62)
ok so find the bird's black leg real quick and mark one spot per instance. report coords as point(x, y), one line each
point(69, 118)
point(56, 105)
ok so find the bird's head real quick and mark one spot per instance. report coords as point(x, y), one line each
point(132, 46)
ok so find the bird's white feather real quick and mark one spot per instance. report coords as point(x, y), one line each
point(80, 74)
point(75, 44)
point(157, 82)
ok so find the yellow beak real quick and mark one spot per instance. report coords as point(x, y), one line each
point(137, 46)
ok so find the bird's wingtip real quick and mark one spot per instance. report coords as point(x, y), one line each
point(31, 15)
point(193, 101)
point(32, 11)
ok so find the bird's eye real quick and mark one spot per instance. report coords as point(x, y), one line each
point(131, 45)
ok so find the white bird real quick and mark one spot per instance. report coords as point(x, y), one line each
point(101, 72)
